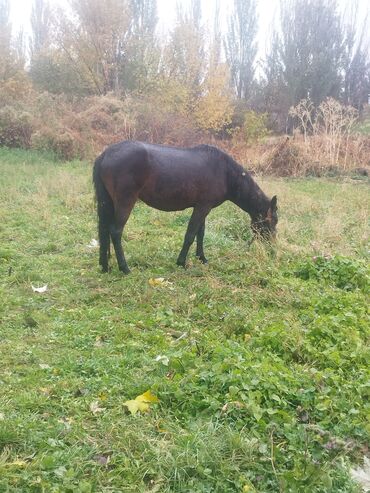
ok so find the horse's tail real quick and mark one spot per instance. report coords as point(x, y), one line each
point(105, 208)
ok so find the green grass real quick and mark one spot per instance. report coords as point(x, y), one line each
point(267, 384)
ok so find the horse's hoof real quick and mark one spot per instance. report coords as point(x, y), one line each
point(125, 270)
point(181, 263)
point(203, 260)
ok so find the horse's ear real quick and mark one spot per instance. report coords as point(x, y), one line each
point(272, 208)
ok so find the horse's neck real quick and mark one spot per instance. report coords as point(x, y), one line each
point(246, 194)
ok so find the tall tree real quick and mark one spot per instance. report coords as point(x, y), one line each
point(356, 58)
point(40, 25)
point(306, 55)
point(95, 41)
point(5, 38)
point(184, 59)
point(216, 38)
point(142, 52)
point(310, 47)
point(12, 50)
point(241, 46)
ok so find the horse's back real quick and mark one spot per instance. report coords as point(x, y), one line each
point(164, 177)
point(123, 154)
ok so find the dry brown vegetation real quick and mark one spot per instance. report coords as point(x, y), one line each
point(82, 127)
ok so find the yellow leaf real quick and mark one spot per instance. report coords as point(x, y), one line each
point(248, 488)
point(159, 281)
point(18, 462)
point(147, 397)
point(141, 402)
point(134, 406)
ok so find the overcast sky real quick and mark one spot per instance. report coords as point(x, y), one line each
point(267, 9)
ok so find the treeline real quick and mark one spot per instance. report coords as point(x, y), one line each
point(106, 64)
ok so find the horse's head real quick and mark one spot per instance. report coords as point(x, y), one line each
point(264, 225)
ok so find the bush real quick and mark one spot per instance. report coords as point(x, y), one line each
point(63, 144)
point(289, 159)
point(254, 127)
point(15, 127)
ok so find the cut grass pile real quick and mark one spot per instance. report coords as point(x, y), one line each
point(259, 360)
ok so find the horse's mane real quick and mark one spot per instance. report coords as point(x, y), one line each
point(215, 152)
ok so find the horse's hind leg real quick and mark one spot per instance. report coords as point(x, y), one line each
point(200, 236)
point(196, 221)
point(122, 213)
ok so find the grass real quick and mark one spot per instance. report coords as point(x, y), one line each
point(266, 384)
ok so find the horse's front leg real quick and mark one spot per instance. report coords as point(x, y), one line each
point(196, 221)
point(200, 237)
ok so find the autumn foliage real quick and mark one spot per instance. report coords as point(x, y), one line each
point(103, 74)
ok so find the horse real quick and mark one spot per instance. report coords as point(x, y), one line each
point(173, 179)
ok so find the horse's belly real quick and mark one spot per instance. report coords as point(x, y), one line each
point(166, 203)
point(169, 192)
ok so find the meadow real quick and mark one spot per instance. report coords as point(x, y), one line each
point(258, 360)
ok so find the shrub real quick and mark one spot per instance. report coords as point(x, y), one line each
point(15, 127)
point(64, 145)
point(214, 109)
point(254, 127)
point(289, 159)
point(330, 127)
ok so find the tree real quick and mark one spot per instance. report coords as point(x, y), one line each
point(41, 26)
point(5, 39)
point(241, 46)
point(306, 54)
point(356, 60)
point(95, 41)
point(184, 55)
point(142, 52)
point(214, 109)
point(13, 80)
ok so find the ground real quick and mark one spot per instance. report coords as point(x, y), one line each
point(259, 359)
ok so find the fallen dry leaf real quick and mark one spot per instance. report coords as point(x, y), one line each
point(95, 408)
point(102, 460)
point(93, 244)
point(42, 289)
point(163, 359)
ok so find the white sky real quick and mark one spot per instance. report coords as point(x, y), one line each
point(267, 9)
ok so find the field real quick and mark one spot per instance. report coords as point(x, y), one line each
point(259, 360)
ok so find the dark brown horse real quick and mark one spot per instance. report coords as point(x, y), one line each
point(173, 179)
